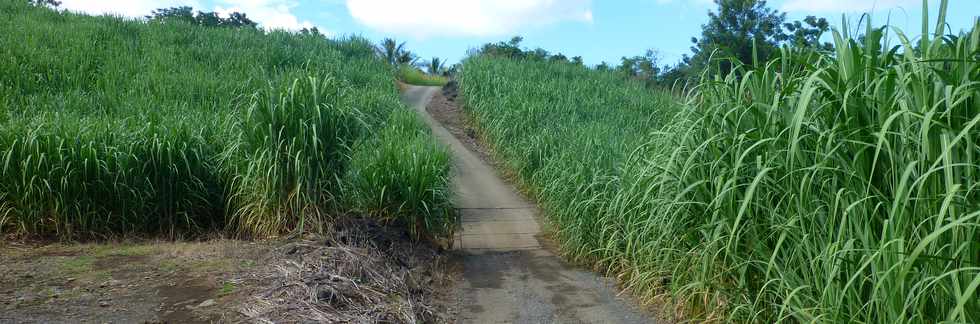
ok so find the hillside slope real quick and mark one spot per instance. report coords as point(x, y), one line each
point(110, 125)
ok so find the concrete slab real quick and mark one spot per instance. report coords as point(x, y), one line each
point(500, 242)
point(501, 227)
point(497, 214)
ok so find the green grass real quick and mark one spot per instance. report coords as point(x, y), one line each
point(110, 125)
point(78, 265)
point(414, 76)
point(227, 288)
point(829, 188)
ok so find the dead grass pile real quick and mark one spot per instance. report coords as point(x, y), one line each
point(363, 273)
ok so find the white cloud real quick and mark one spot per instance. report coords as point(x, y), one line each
point(130, 8)
point(268, 13)
point(271, 14)
point(847, 5)
point(423, 18)
point(696, 2)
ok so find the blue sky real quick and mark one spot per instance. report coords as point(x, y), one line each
point(599, 30)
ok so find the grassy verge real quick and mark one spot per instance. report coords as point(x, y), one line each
point(414, 76)
point(111, 125)
point(820, 187)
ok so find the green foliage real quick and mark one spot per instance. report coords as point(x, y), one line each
point(435, 66)
point(644, 68)
point(312, 31)
point(817, 187)
point(208, 19)
point(563, 129)
point(48, 3)
point(110, 125)
point(559, 57)
point(401, 175)
point(394, 53)
point(808, 35)
point(412, 75)
point(512, 49)
point(744, 30)
point(292, 146)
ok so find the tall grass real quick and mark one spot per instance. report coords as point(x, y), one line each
point(110, 125)
point(818, 187)
point(412, 75)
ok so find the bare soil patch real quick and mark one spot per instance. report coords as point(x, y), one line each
point(121, 282)
point(363, 272)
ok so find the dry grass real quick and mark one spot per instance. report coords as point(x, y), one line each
point(363, 274)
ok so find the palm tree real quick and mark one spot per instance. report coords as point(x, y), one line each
point(435, 66)
point(389, 49)
point(394, 53)
point(406, 57)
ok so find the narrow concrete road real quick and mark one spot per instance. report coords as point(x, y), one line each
point(508, 276)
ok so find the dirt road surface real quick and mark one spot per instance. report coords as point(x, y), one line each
point(509, 277)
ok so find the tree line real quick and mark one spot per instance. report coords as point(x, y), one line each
point(396, 54)
point(189, 15)
point(737, 32)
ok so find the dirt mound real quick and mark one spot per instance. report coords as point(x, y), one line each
point(451, 90)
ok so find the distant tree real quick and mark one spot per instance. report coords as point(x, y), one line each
point(310, 31)
point(394, 53)
point(207, 19)
point(406, 57)
point(679, 73)
point(739, 29)
point(388, 50)
point(806, 33)
point(627, 66)
point(182, 13)
point(558, 58)
point(238, 19)
point(452, 69)
point(435, 66)
point(510, 48)
point(45, 3)
point(642, 67)
point(538, 54)
point(603, 66)
point(649, 65)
